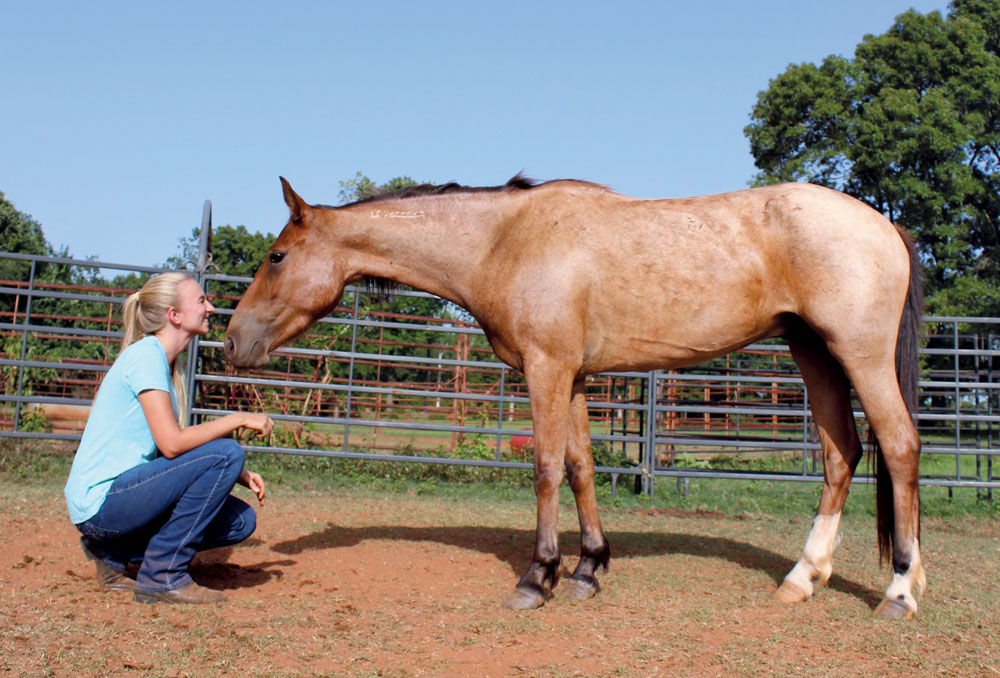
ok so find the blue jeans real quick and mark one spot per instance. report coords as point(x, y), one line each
point(164, 511)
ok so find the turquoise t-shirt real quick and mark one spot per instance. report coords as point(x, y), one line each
point(117, 436)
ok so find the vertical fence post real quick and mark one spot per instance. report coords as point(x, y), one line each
point(503, 383)
point(201, 266)
point(989, 411)
point(24, 346)
point(806, 452)
point(958, 404)
point(649, 457)
point(350, 370)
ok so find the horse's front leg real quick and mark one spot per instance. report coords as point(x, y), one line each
point(594, 548)
point(549, 387)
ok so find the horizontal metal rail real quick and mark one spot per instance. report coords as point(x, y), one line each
point(751, 404)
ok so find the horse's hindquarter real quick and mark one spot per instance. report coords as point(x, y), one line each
point(618, 283)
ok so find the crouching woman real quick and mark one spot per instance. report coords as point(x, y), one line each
point(144, 488)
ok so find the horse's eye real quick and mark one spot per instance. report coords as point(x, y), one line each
point(276, 257)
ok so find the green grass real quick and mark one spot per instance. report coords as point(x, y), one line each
point(46, 463)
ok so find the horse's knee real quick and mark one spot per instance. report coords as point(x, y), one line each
point(548, 478)
point(580, 474)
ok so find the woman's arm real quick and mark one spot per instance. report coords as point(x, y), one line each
point(172, 440)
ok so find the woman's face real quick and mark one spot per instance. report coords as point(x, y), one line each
point(193, 307)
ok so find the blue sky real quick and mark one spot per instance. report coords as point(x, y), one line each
point(119, 119)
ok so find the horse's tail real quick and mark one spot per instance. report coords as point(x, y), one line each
point(907, 374)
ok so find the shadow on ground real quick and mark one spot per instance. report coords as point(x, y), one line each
point(213, 569)
point(514, 546)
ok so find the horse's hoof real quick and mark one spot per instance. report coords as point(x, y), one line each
point(522, 599)
point(893, 608)
point(790, 593)
point(577, 589)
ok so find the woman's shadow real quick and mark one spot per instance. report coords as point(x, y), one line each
point(511, 547)
point(213, 569)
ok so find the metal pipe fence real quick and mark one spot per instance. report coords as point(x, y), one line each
point(371, 383)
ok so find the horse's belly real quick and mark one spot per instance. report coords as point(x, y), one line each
point(672, 345)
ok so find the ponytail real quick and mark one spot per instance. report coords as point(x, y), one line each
point(144, 313)
point(130, 312)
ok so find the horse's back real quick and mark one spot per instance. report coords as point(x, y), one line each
point(675, 281)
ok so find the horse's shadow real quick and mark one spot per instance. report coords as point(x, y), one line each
point(511, 547)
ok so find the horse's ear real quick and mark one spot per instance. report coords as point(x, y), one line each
point(292, 199)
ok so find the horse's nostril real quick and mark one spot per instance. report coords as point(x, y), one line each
point(230, 347)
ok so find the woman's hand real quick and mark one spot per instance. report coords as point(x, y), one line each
point(254, 482)
point(259, 422)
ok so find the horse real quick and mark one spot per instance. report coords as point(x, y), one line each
point(569, 278)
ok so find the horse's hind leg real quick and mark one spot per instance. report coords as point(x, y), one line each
point(829, 396)
point(899, 528)
point(594, 549)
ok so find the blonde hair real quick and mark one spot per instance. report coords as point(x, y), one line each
point(145, 312)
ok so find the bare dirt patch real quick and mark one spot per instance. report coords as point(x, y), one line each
point(357, 584)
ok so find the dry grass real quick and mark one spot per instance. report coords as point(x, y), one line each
point(364, 584)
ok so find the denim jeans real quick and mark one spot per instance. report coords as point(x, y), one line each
point(164, 511)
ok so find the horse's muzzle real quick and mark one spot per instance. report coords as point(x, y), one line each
point(244, 353)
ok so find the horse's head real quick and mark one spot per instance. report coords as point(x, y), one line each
point(301, 280)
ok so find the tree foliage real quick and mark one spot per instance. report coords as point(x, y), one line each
point(360, 187)
point(911, 126)
point(235, 250)
point(19, 234)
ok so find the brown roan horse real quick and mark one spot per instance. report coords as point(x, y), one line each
point(568, 279)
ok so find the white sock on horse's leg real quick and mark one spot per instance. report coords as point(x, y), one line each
point(816, 563)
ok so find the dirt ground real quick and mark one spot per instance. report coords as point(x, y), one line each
point(357, 584)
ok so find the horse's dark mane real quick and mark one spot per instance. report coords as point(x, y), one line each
point(382, 288)
point(518, 182)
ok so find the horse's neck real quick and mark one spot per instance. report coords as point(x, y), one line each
point(433, 243)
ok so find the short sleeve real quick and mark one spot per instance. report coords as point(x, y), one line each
point(146, 368)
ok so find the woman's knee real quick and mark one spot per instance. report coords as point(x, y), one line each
point(249, 517)
point(226, 450)
point(233, 451)
point(241, 518)
point(235, 522)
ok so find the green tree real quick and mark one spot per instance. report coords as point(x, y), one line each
point(19, 234)
point(360, 186)
point(911, 126)
point(235, 250)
